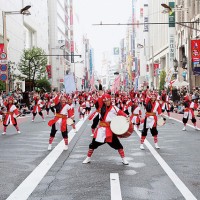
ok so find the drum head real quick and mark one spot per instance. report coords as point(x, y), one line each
point(119, 125)
point(160, 122)
point(69, 121)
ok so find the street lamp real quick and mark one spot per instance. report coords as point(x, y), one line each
point(23, 11)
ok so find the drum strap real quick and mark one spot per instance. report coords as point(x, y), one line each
point(10, 113)
point(150, 114)
point(104, 124)
point(61, 116)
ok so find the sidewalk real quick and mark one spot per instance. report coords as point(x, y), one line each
point(180, 117)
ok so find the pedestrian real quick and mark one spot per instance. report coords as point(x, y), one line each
point(103, 133)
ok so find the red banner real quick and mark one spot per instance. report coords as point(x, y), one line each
point(195, 48)
point(1, 48)
point(195, 55)
point(156, 67)
point(49, 71)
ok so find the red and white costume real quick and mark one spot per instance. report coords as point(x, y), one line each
point(37, 108)
point(11, 114)
point(153, 109)
point(136, 114)
point(71, 113)
point(60, 120)
point(103, 132)
point(190, 106)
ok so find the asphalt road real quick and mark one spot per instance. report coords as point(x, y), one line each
point(172, 172)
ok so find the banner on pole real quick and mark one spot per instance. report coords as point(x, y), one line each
point(195, 55)
point(69, 83)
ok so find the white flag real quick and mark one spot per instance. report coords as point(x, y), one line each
point(69, 83)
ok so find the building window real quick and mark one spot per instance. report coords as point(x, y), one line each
point(30, 37)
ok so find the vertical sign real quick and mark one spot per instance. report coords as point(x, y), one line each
point(3, 64)
point(116, 51)
point(195, 55)
point(171, 40)
point(91, 61)
point(49, 71)
point(71, 32)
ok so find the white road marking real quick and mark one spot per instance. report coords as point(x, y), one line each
point(181, 121)
point(175, 179)
point(115, 187)
point(24, 190)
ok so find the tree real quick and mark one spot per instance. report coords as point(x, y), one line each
point(43, 84)
point(162, 80)
point(2, 86)
point(33, 64)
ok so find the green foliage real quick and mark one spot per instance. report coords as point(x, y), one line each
point(33, 67)
point(162, 80)
point(2, 86)
point(43, 84)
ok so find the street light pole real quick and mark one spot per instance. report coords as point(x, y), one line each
point(153, 66)
point(23, 11)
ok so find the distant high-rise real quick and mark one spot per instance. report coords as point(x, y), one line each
point(59, 40)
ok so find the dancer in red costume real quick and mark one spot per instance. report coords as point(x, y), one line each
point(103, 133)
point(60, 120)
point(152, 110)
point(98, 105)
point(136, 113)
point(11, 115)
point(190, 107)
point(37, 108)
point(71, 112)
point(165, 105)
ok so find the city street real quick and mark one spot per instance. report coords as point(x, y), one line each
point(29, 171)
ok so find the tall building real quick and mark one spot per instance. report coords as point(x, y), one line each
point(78, 67)
point(23, 32)
point(59, 40)
point(187, 11)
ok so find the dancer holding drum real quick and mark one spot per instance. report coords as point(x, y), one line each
point(103, 133)
point(152, 110)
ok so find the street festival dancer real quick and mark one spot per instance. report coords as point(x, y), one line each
point(11, 115)
point(95, 116)
point(60, 120)
point(190, 107)
point(71, 112)
point(103, 133)
point(37, 108)
point(152, 110)
point(165, 105)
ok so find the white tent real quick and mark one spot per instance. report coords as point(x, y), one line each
point(177, 83)
point(184, 83)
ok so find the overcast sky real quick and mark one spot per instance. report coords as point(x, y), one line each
point(103, 38)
